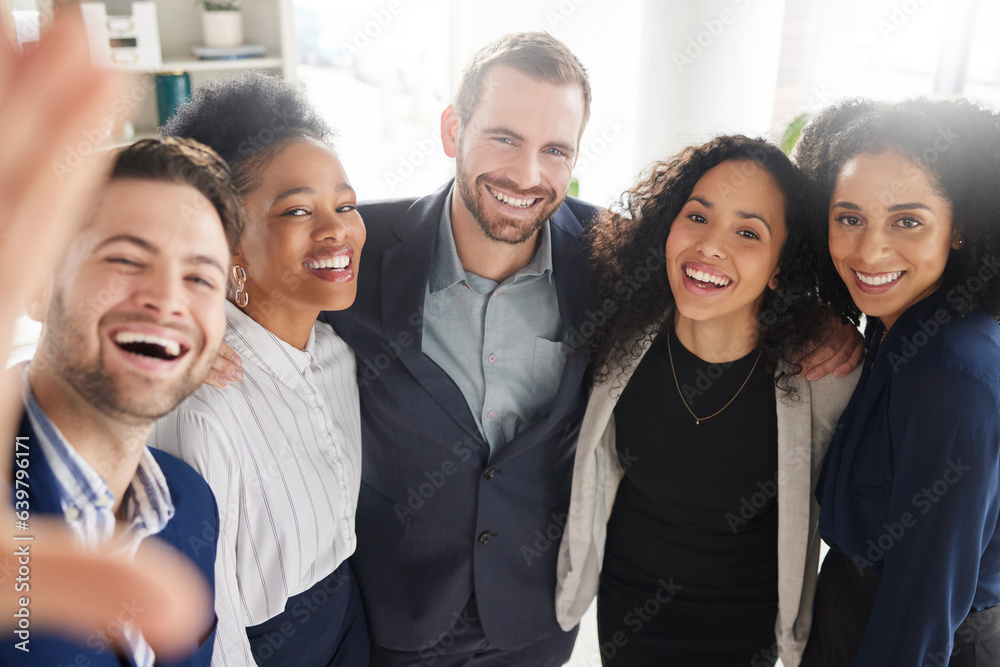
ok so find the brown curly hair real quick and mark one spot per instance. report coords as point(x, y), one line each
point(627, 246)
point(955, 142)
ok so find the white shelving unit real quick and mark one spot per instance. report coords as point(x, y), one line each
point(223, 65)
point(267, 22)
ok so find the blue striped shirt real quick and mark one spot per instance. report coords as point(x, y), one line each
point(88, 503)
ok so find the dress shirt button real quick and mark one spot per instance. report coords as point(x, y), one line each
point(72, 513)
point(490, 414)
point(484, 537)
point(490, 474)
point(493, 358)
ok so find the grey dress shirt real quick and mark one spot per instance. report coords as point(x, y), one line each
point(502, 343)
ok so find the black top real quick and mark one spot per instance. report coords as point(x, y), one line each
point(690, 571)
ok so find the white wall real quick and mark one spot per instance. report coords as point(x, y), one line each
point(709, 67)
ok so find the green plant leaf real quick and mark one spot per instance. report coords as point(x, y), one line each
point(793, 133)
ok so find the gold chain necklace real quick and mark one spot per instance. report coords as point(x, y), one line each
point(698, 420)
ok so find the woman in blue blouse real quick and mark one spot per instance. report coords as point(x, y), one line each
point(910, 491)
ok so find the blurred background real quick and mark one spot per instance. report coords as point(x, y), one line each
point(665, 73)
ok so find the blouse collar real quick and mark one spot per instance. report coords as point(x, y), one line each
point(255, 344)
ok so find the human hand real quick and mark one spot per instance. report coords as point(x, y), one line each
point(52, 103)
point(226, 368)
point(840, 352)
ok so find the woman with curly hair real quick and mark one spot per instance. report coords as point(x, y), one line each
point(907, 203)
point(281, 449)
point(692, 515)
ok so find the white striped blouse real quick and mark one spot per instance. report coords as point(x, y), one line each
point(281, 450)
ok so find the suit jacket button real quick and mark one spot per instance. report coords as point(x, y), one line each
point(488, 475)
point(484, 537)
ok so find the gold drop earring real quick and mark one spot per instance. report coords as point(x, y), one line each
point(239, 279)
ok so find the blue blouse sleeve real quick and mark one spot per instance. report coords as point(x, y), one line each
point(943, 508)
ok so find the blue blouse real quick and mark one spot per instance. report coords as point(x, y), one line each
point(911, 484)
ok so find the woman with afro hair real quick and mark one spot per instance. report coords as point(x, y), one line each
point(281, 448)
point(906, 202)
point(692, 514)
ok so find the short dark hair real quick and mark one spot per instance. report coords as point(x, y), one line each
point(186, 162)
point(625, 236)
point(538, 55)
point(956, 143)
point(247, 119)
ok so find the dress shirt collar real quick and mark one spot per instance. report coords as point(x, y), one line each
point(87, 501)
point(446, 267)
point(256, 344)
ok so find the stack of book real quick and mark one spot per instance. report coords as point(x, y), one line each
point(228, 52)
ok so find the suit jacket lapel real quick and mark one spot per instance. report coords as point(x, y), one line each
point(405, 270)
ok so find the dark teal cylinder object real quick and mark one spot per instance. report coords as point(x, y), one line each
point(172, 90)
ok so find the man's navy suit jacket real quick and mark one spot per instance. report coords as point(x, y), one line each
point(438, 518)
point(193, 530)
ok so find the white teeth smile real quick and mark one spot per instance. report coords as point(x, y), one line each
point(171, 348)
point(880, 279)
point(338, 262)
point(703, 277)
point(512, 201)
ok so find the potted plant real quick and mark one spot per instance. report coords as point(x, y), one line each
point(222, 23)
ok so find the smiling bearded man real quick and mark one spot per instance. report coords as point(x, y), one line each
point(132, 320)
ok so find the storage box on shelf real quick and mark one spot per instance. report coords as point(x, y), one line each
point(266, 22)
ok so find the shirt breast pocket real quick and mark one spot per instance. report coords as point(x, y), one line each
point(548, 360)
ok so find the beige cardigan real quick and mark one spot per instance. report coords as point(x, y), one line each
point(806, 423)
